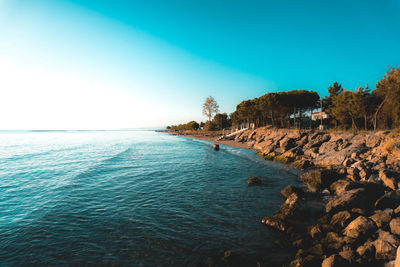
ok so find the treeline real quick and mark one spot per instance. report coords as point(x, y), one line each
point(219, 122)
point(360, 109)
point(276, 109)
point(366, 109)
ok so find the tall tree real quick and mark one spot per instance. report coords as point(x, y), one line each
point(388, 89)
point(210, 107)
point(362, 95)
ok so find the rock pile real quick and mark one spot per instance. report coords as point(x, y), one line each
point(348, 211)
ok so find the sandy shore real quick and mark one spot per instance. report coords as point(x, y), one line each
point(222, 142)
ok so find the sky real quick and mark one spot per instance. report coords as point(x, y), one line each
point(80, 64)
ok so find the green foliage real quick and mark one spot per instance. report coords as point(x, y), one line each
point(275, 108)
point(221, 121)
point(365, 109)
point(209, 126)
point(192, 125)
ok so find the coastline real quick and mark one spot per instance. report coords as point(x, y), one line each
point(348, 210)
point(231, 143)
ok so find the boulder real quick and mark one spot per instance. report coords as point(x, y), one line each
point(348, 162)
point(366, 250)
point(318, 179)
point(341, 219)
point(328, 147)
point(348, 254)
point(315, 231)
point(397, 211)
point(389, 200)
point(382, 217)
point(389, 178)
point(360, 227)
point(290, 189)
point(354, 198)
point(341, 186)
point(333, 261)
point(395, 226)
point(385, 246)
point(254, 181)
point(274, 222)
point(285, 144)
point(338, 157)
point(333, 241)
point(353, 174)
point(372, 140)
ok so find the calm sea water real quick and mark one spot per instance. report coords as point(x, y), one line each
point(133, 198)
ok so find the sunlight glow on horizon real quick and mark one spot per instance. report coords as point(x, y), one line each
point(49, 81)
point(82, 64)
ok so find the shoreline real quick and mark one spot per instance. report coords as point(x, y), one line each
point(348, 210)
point(230, 143)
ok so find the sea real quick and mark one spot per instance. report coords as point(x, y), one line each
point(135, 198)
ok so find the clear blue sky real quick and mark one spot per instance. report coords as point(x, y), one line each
point(123, 64)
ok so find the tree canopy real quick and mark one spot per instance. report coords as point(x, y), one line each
point(210, 107)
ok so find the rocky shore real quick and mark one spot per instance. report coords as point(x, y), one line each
point(348, 211)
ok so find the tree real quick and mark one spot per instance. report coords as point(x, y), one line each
point(210, 107)
point(334, 90)
point(221, 121)
point(209, 126)
point(362, 96)
point(388, 89)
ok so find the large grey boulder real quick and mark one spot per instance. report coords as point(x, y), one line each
point(338, 157)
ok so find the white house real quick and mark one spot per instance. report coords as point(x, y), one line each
point(317, 115)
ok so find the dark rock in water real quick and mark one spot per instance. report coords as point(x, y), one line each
point(216, 147)
point(290, 189)
point(254, 181)
point(274, 222)
point(317, 180)
point(297, 209)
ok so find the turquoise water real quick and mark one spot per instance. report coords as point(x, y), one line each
point(137, 198)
